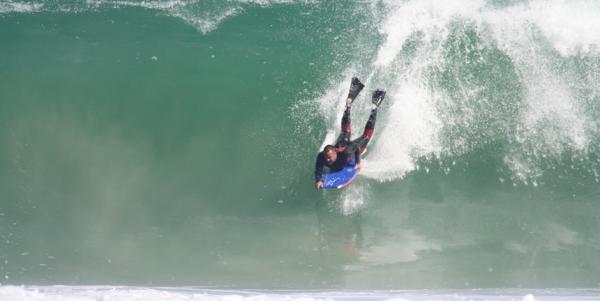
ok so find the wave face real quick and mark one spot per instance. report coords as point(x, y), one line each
point(172, 143)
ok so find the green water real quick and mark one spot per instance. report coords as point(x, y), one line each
point(140, 146)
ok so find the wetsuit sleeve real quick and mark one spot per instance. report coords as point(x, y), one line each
point(319, 167)
point(357, 155)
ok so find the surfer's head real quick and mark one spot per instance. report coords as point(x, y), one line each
point(330, 154)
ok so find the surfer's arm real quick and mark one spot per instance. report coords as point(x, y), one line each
point(319, 168)
point(319, 172)
point(357, 159)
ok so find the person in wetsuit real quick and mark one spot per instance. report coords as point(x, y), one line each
point(334, 157)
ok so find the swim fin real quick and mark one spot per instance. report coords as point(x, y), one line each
point(355, 87)
point(378, 97)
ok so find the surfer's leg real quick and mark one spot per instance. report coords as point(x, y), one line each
point(355, 87)
point(344, 136)
point(363, 140)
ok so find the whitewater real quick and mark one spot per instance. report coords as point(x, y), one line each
point(189, 293)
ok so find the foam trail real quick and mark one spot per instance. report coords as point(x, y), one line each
point(331, 106)
point(353, 199)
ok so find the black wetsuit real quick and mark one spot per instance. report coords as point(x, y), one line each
point(344, 156)
point(345, 148)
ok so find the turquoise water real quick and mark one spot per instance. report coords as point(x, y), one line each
point(172, 143)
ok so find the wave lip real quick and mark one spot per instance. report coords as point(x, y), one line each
point(205, 16)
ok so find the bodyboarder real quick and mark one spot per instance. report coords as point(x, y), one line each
point(334, 157)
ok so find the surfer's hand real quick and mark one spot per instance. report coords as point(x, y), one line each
point(319, 184)
point(358, 167)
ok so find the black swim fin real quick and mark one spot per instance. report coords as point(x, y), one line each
point(355, 87)
point(378, 97)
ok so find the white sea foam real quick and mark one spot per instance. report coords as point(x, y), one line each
point(209, 21)
point(150, 4)
point(413, 123)
point(353, 199)
point(552, 121)
point(429, 18)
point(571, 26)
point(123, 293)
point(16, 7)
point(202, 17)
point(332, 111)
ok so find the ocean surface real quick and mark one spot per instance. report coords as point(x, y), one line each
point(159, 149)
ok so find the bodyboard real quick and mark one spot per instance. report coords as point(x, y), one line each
point(341, 178)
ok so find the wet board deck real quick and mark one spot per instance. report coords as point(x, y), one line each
point(341, 178)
